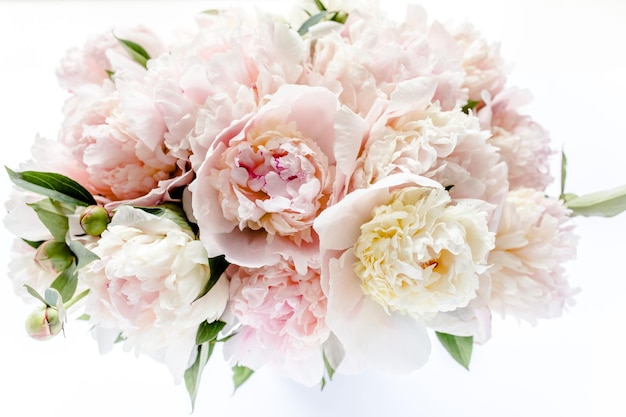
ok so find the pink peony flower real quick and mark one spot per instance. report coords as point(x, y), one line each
point(523, 144)
point(144, 288)
point(282, 318)
point(267, 178)
point(533, 241)
point(92, 64)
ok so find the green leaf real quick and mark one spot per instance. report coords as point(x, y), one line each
point(311, 21)
point(241, 375)
point(194, 373)
point(56, 186)
point(471, 105)
point(563, 172)
point(65, 283)
point(607, 203)
point(171, 212)
point(32, 243)
point(320, 5)
point(207, 332)
point(52, 216)
point(329, 369)
point(83, 255)
point(459, 347)
point(54, 299)
point(339, 17)
point(35, 294)
point(217, 265)
point(136, 51)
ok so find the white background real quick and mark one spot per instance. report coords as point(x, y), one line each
point(570, 54)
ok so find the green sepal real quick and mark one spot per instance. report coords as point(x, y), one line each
point(330, 371)
point(53, 216)
point(217, 266)
point(136, 51)
point(33, 244)
point(607, 203)
point(66, 282)
point(471, 105)
point(59, 255)
point(207, 332)
point(193, 374)
point(241, 375)
point(55, 186)
point(83, 255)
point(459, 347)
point(311, 21)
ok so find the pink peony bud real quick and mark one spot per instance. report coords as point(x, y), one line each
point(44, 323)
point(94, 220)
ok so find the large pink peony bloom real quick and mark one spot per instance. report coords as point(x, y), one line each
point(282, 316)
point(533, 241)
point(267, 178)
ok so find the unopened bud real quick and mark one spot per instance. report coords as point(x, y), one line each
point(53, 256)
point(94, 220)
point(44, 323)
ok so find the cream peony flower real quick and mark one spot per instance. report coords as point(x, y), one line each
point(144, 285)
point(395, 255)
point(533, 241)
point(282, 316)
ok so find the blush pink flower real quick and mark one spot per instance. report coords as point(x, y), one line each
point(267, 178)
point(282, 320)
point(144, 288)
point(534, 239)
point(91, 64)
point(522, 143)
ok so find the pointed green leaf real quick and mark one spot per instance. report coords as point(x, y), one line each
point(66, 283)
point(241, 375)
point(563, 172)
point(320, 5)
point(35, 294)
point(56, 186)
point(83, 255)
point(339, 17)
point(459, 347)
point(32, 243)
point(217, 265)
point(607, 203)
point(52, 216)
point(193, 374)
point(136, 51)
point(311, 21)
point(329, 369)
point(207, 332)
point(54, 299)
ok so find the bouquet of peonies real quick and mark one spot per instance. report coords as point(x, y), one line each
point(317, 194)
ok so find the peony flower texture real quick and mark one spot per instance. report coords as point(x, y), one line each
point(144, 288)
point(395, 255)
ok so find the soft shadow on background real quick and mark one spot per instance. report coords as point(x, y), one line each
point(570, 55)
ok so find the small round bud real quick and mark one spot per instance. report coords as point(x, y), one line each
point(53, 256)
point(44, 323)
point(94, 220)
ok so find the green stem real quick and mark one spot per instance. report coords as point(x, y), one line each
point(76, 299)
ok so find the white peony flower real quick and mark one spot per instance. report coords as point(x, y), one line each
point(144, 286)
point(534, 239)
point(395, 255)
